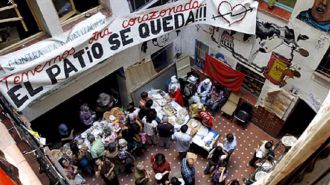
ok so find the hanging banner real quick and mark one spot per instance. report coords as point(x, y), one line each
point(41, 68)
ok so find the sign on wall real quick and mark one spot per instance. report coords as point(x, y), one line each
point(30, 73)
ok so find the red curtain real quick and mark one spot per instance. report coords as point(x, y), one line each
point(223, 74)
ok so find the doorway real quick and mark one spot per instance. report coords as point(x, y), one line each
point(68, 111)
point(299, 119)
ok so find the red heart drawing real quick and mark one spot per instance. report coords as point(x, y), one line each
point(229, 12)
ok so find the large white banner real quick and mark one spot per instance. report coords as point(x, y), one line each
point(37, 70)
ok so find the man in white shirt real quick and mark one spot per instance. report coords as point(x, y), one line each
point(183, 141)
point(262, 152)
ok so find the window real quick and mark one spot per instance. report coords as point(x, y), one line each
point(324, 66)
point(69, 8)
point(162, 58)
point(139, 4)
point(200, 52)
point(279, 8)
point(64, 8)
point(16, 23)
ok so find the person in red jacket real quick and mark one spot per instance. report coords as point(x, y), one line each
point(162, 167)
point(204, 117)
point(174, 91)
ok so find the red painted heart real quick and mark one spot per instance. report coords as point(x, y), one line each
point(229, 12)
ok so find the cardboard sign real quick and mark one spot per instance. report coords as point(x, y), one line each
point(41, 68)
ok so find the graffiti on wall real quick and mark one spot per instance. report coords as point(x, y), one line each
point(269, 37)
point(232, 14)
point(317, 16)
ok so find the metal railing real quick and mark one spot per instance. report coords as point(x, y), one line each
point(55, 178)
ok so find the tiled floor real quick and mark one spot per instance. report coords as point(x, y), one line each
point(247, 139)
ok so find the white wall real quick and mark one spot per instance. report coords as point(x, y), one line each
point(308, 85)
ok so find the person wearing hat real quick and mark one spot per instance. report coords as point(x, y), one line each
point(161, 168)
point(142, 176)
point(188, 170)
point(174, 91)
point(204, 90)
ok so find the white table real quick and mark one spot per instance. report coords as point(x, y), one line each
point(161, 100)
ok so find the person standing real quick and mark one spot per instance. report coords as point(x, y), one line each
point(230, 143)
point(183, 141)
point(150, 128)
point(144, 99)
point(87, 116)
point(216, 156)
point(96, 146)
point(132, 114)
point(165, 131)
point(263, 151)
point(188, 171)
point(142, 177)
point(161, 166)
point(106, 170)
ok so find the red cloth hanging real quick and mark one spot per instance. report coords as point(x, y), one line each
point(5, 179)
point(223, 74)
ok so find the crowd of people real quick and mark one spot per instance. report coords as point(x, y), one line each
point(114, 151)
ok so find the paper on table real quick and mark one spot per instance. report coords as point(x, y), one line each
point(202, 131)
point(208, 137)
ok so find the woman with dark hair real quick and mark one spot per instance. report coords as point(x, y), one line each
point(82, 158)
point(216, 156)
point(220, 174)
point(144, 98)
point(161, 168)
point(150, 127)
point(71, 171)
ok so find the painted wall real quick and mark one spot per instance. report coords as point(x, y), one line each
point(308, 87)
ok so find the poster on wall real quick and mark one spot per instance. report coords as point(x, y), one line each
point(34, 71)
point(279, 70)
point(317, 16)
